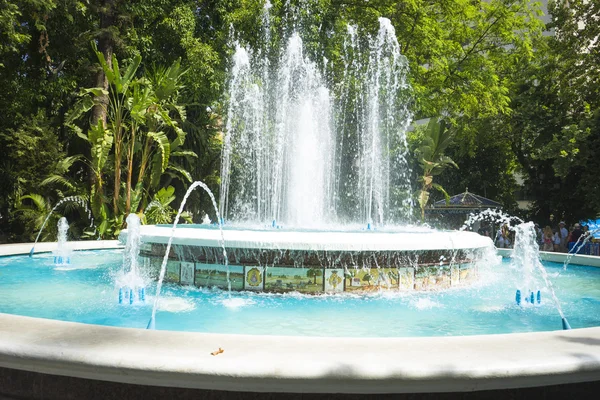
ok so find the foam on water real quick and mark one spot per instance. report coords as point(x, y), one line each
point(175, 304)
point(235, 303)
point(424, 303)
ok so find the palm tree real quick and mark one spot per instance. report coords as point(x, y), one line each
point(141, 137)
point(431, 156)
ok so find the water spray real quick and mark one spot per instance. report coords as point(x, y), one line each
point(152, 322)
point(74, 199)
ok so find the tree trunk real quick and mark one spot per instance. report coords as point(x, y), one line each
point(130, 169)
point(105, 46)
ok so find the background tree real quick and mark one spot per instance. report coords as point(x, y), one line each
point(430, 153)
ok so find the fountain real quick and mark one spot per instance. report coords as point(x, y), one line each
point(300, 182)
point(74, 199)
point(312, 205)
point(130, 281)
point(62, 254)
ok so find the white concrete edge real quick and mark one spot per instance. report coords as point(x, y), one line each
point(298, 364)
point(316, 240)
point(574, 259)
point(14, 249)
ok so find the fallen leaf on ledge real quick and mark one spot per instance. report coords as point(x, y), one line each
point(214, 353)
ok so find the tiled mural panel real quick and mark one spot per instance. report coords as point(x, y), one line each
point(215, 275)
point(312, 280)
point(288, 279)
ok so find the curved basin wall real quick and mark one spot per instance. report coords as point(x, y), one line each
point(316, 262)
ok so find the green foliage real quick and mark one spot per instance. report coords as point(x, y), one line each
point(159, 211)
point(434, 142)
point(516, 101)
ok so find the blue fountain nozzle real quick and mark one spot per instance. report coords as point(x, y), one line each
point(130, 296)
point(532, 298)
point(565, 324)
point(120, 295)
point(151, 324)
point(143, 294)
point(539, 297)
point(518, 297)
point(31, 252)
point(369, 226)
point(274, 224)
point(222, 221)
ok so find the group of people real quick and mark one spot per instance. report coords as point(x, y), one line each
point(549, 239)
point(558, 239)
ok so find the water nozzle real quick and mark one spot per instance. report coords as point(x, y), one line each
point(565, 324)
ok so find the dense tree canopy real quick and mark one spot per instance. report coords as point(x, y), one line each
point(515, 100)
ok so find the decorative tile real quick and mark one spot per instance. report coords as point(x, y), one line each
point(467, 273)
point(406, 278)
point(334, 280)
point(254, 278)
point(454, 275)
point(289, 279)
point(173, 271)
point(441, 279)
point(215, 275)
point(187, 273)
point(371, 279)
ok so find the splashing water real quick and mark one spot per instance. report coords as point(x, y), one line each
point(496, 216)
point(575, 249)
point(73, 199)
point(526, 257)
point(129, 281)
point(62, 254)
point(296, 151)
point(163, 267)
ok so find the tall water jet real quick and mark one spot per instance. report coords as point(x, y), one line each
point(130, 282)
point(163, 267)
point(526, 257)
point(383, 163)
point(305, 151)
point(74, 199)
point(62, 254)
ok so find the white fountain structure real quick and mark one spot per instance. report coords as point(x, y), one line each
point(130, 281)
point(62, 254)
point(304, 153)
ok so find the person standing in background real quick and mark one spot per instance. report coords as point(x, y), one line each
point(563, 234)
point(548, 239)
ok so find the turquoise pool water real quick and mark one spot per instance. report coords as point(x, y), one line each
point(85, 292)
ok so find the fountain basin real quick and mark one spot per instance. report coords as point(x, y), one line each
point(315, 261)
point(67, 357)
point(264, 363)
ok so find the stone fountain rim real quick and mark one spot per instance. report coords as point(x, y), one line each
point(274, 239)
point(262, 363)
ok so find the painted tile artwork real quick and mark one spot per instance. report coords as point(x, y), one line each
point(428, 278)
point(334, 280)
point(215, 275)
point(467, 273)
point(454, 275)
point(303, 280)
point(187, 273)
point(406, 278)
point(254, 278)
point(373, 279)
point(173, 271)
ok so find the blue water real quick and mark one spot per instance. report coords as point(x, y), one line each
point(86, 293)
